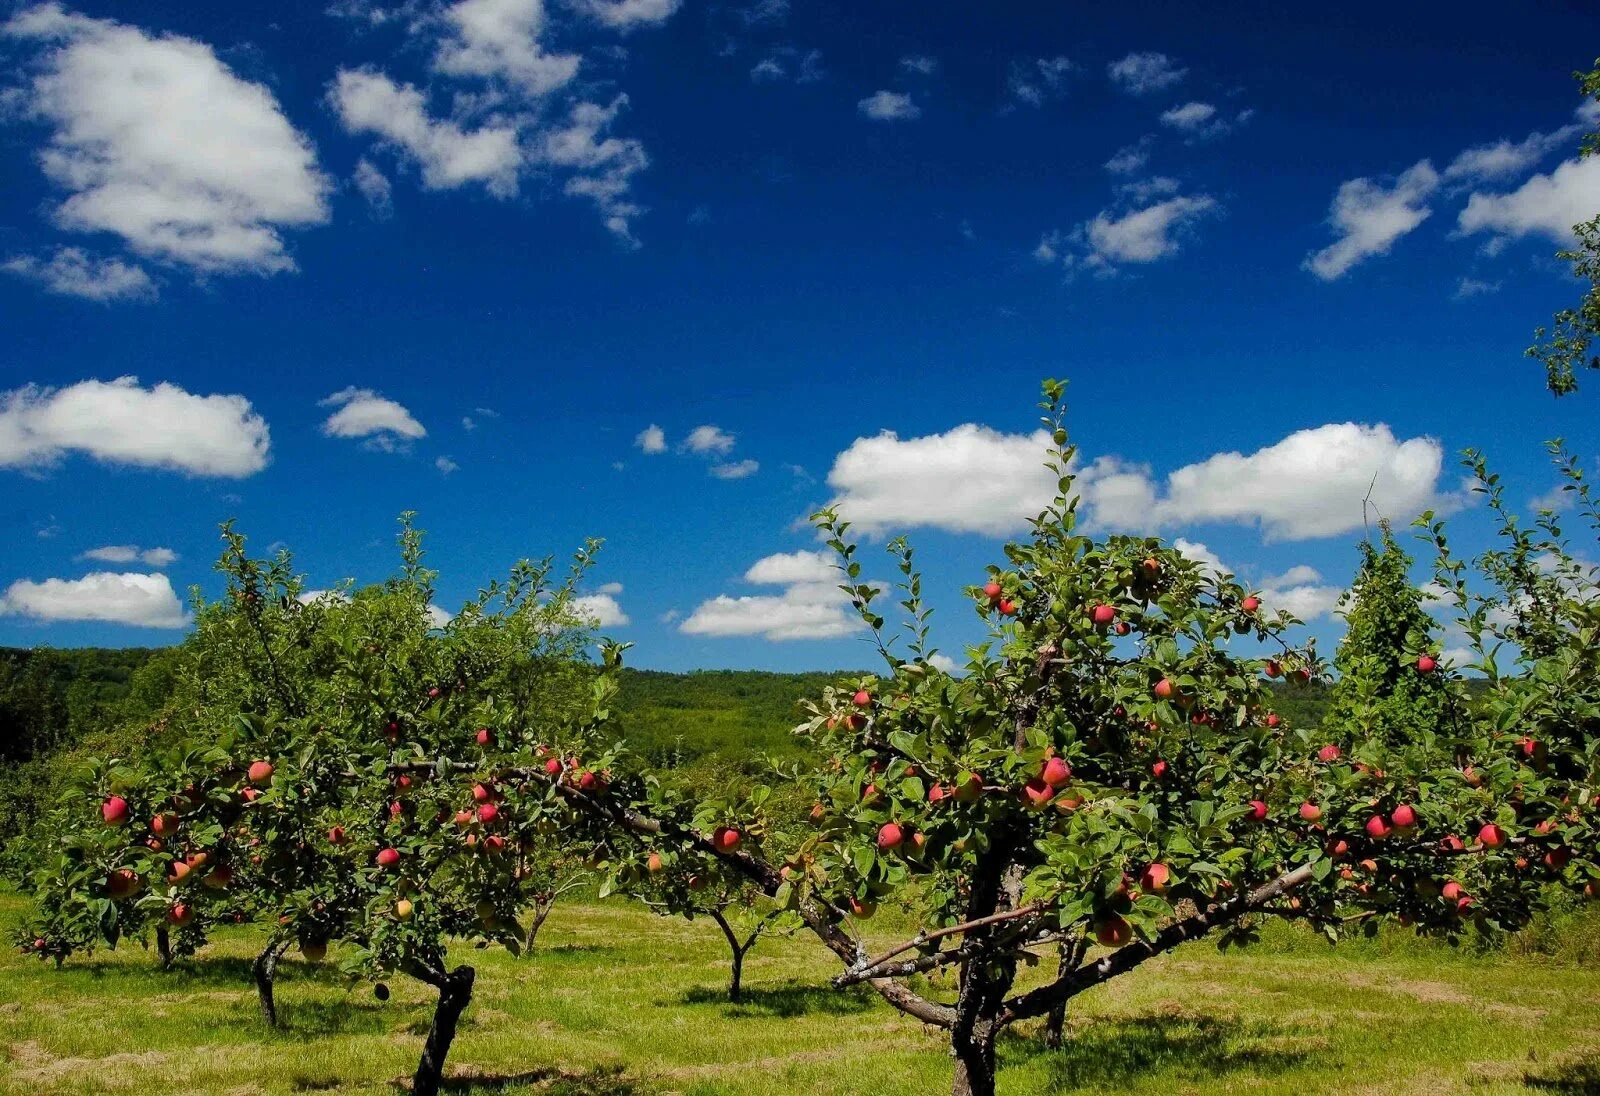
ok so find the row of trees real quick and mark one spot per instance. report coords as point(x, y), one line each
point(1108, 779)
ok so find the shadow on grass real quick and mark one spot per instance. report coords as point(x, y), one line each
point(600, 1081)
point(297, 1019)
point(784, 1002)
point(1575, 1078)
point(1105, 1053)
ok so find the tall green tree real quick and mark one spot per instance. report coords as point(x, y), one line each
point(1389, 687)
point(1569, 344)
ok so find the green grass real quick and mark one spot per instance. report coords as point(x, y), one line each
point(618, 1001)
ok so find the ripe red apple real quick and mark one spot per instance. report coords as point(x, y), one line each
point(1122, 628)
point(937, 794)
point(1426, 664)
point(485, 736)
point(1404, 817)
point(818, 812)
point(992, 590)
point(890, 835)
point(164, 824)
point(114, 811)
point(464, 817)
point(1556, 859)
point(1164, 689)
point(1102, 615)
point(1150, 566)
point(433, 693)
point(1328, 753)
point(487, 813)
point(653, 863)
point(969, 789)
point(1007, 607)
point(1250, 604)
point(1377, 827)
point(1158, 770)
point(869, 794)
point(1258, 810)
point(1452, 843)
point(261, 773)
point(1492, 836)
point(218, 878)
point(1113, 931)
point(1310, 812)
point(403, 783)
point(396, 809)
point(552, 766)
point(494, 844)
point(725, 838)
point(1036, 793)
point(1154, 879)
point(862, 699)
point(481, 794)
point(122, 883)
point(1464, 903)
point(1274, 668)
point(1472, 776)
point(1272, 719)
point(589, 781)
point(1056, 772)
point(179, 914)
point(388, 858)
point(336, 835)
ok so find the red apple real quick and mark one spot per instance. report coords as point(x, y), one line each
point(1404, 817)
point(1154, 879)
point(1272, 719)
point(179, 914)
point(494, 843)
point(1036, 793)
point(1056, 772)
point(1113, 932)
point(1258, 810)
point(725, 838)
point(261, 773)
point(1328, 753)
point(1310, 812)
point(1007, 607)
point(218, 878)
point(1158, 770)
point(653, 863)
point(464, 817)
point(1492, 836)
point(1102, 615)
point(1452, 843)
point(969, 789)
point(164, 824)
point(862, 699)
point(388, 858)
point(590, 781)
point(937, 794)
point(114, 811)
point(890, 835)
point(481, 794)
point(818, 812)
point(336, 835)
point(122, 883)
point(1426, 664)
point(485, 736)
point(1274, 668)
point(487, 813)
point(992, 590)
point(552, 766)
point(1377, 828)
point(1165, 688)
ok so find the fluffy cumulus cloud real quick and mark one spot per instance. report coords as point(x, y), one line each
point(971, 479)
point(1546, 205)
point(602, 165)
point(500, 40)
point(1368, 216)
point(626, 15)
point(1298, 591)
point(1310, 484)
point(1137, 231)
point(889, 106)
point(1145, 73)
point(73, 272)
point(709, 439)
point(156, 141)
point(602, 607)
point(130, 553)
point(1130, 159)
point(810, 606)
point(147, 601)
point(373, 185)
point(733, 470)
point(1202, 121)
point(121, 422)
point(380, 422)
point(652, 439)
point(448, 155)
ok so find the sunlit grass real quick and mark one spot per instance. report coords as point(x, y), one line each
point(619, 1001)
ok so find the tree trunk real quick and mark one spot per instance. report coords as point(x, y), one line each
point(265, 969)
point(541, 910)
point(1056, 1022)
point(164, 946)
point(975, 1065)
point(734, 988)
point(455, 992)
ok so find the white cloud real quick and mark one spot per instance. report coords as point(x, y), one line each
point(1035, 81)
point(943, 663)
point(499, 40)
point(438, 617)
point(1202, 121)
point(971, 479)
point(363, 413)
point(118, 422)
point(1199, 553)
point(445, 465)
point(1504, 159)
point(146, 601)
point(652, 439)
point(1144, 73)
point(158, 142)
point(129, 553)
point(810, 607)
point(1296, 591)
point(733, 470)
point(1310, 484)
point(449, 156)
point(1369, 217)
point(787, 62)
point(1472, 287)
point(889, 106)
point(1144, 235)
point(709, 439)
point(1130, 158)
point(1545, 205)
point(602, 608)
point(919, 64)
point(604, 165)
point(73, 272)
point(375, 188)
point(626, 15)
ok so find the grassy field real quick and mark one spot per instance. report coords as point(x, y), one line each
point(618, 1001)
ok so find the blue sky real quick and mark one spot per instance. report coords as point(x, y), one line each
point(459, 257)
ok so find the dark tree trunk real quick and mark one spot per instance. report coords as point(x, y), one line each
point(164, 947)
point(735, 989)
point(1055, 1023)
point(735, 992)
point(265, 970)
point(541, 910)
point(975, 1065)
point(455, 992)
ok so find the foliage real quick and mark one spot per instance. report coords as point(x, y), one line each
point(1388, 686)
point(1569, 345)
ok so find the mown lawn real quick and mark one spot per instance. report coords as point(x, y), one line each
point(618, 1001)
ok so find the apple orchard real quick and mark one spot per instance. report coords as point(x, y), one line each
point(1104, 781)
